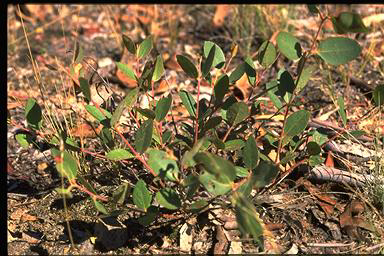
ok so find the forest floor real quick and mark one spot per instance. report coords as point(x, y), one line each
point(302, 215)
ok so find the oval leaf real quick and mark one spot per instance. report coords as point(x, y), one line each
point(187, 66)
point(129, 44)
point(296, 123)
point(338, 50)
point(264, 174)
point(304, 77)
point(141, 196)
point(100, 116)
point(163, 166)
point(84, 86)
point(378, 95)
point(126, 70)
point(237, 113)
point(143, 136)
point(189, 102)
point(207, 64)
point(216, 166)
point(219, 59)
point(168, 198)
point(250, 153)
point(267, 54)
point(162, 107)
point(348, 22)
point(67, 166)
point(313, 148)
point(127, 102)
point(234, 144)
point(145, 47)
point(289, 45)
point(119, 154)
point(159, 69)
point(221, 88)
point(33, 114)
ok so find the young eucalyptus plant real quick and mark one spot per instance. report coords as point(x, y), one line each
point(228, 164)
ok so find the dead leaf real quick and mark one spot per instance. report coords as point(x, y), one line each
point(329, 161)
point(130, 83)
point(244, 88)
point(375, 18)
point(221, 12)
point(186, 237)
point(85, 130)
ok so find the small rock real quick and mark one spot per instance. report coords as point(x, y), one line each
point(186, 237)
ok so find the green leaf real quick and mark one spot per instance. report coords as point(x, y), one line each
point(106, 137)
point(162, 165)
point(221, 88)
point(286, 85)
point(319, 138)
point(216, 166)
point(141, 196)
point(264, 174)
point(250, 153)
point(33, 114)
point(120, 194)
point(79, 53)
point(237, 73)
point(207, 64)
point(340, 102)
point(187, 65)
point(187, 159)
point(166, 136)
point(296, 123)
point(67, 166)
point(378, 95)
point(119, 154)
point(241, 171)
point(159, 69)
point(100, 207)
point(145, 79)
point(189, 102)
point(304, 77)
point(313, 148)
point(168, 198)
point(145, 47)
point(126, 70)
point(149, 217)
point(212, 123)
point(215, 186)
point(267, 54)
point(272, 88)
point(349, 22)
point(24, 139)
point(100, 116)
point(64, 192)
point(192, 182)
point(234, 144)
point(219, 59)
point(143, 136)
point(237, 113)
point(288, 157)
point(128, 101)
point(129, 44)
point(162, 107)
point(289, 46)
point(248, 219)
point(197, 206)
point(316, 160)
point(250, 70)
point(148, 113)
point(338, 50)
point(84, 86)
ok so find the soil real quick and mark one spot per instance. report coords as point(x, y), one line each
point(296, 219)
